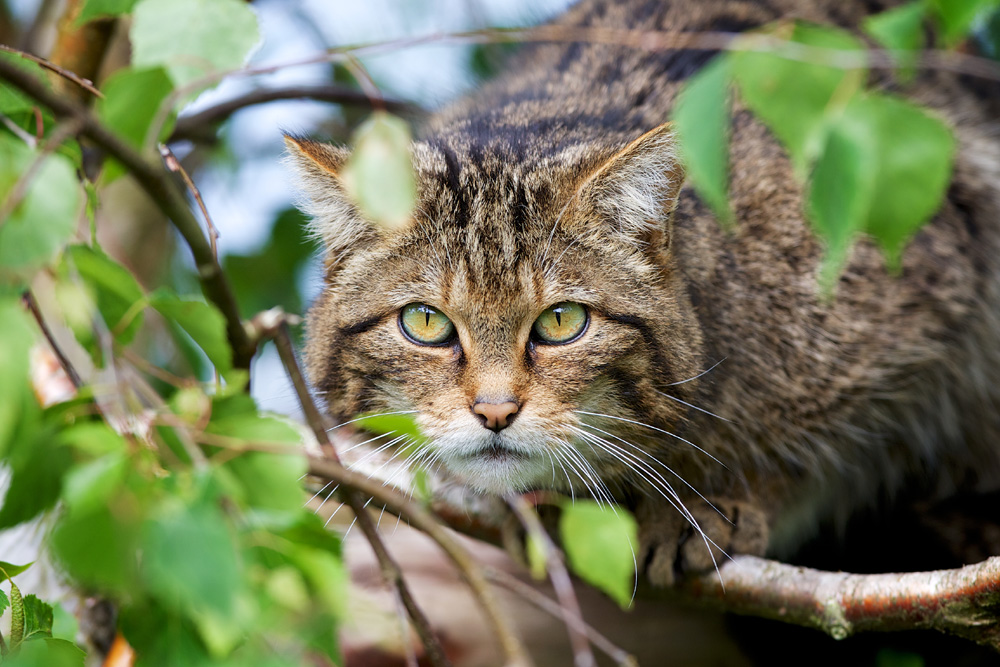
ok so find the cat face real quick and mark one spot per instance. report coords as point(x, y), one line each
point(529, 316)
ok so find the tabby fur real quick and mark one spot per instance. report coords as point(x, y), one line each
point(559, 182)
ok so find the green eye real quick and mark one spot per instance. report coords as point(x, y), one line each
point(561, 323)
point(425, 325)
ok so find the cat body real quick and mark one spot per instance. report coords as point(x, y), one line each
point(709, 366)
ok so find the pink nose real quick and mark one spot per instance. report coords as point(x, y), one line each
point(496, 416)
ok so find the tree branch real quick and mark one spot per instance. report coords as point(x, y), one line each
point(159, 185)
point(391, 571)
point(193, 127)
point(963, 602)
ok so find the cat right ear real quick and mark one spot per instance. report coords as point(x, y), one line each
point(336, 220)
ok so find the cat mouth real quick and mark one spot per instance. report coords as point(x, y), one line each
point(496, 451)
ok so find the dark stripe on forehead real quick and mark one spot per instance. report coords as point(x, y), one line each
point(652, 343)
point(361, 326)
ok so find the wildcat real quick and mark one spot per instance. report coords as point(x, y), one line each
point(562, 313)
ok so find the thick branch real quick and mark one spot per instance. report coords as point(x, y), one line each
point(963, 602)
point(159, 185)
point(194, 126)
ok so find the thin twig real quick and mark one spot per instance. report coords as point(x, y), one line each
point(158, 184)
point(391, 571)
point(189, 127)
point(559, 576)
point(29, 301)
point(550, 606)
point(86, 84)
point(18, 132)
point(174, 165)
point(423, 520)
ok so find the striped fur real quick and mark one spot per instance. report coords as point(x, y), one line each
point(558, 182)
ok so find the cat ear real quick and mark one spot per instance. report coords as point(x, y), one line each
point(633, 193)
point(336, 220)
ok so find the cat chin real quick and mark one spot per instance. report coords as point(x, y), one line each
point(500, 476)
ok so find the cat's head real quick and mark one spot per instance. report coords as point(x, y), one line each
point(529, 316)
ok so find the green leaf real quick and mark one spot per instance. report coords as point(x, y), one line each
point(4, 602)
point(900, 29)
point(64, 624)
point(202, 321)
point(8, 570)
point(46, 652)
point(16, 338)
point(379, 174)
point(37, 618)
point(395, 425)
point(955, 17)
point(116, 290)
point(12, 100)
point(796, 98)
point(93, 9)
point(99, 549)
point(535, 550)
point(95, 438)
point(47, 213)
point(189, 560)
point(601, 544)
point(192, 38)
point(37, 468)
point(88, 486)
point(131, 101)
point(915, 155)
point(701, 119)
point(270, 481)
point(841, 191)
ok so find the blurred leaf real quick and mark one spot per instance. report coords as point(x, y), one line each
point(37, 468)
point(395, 425)
point(915, 151)
point(601, 545)
point(538, 564)
point(37, 618)
point(900, 29)
point(64, 624)
point(955, 17)
point(189, 561)
point(202, 321)
point(9, 570)
point(795, 98)
point(173, 640)
point(115, 289)
point(888, 657)
point(270, 481)
point(16, 338)
point(13, 100)
point(93, 9)
point(253, 275)
point(131, 101)
point(98, 548)
point(89, 485)
point(701, 119)
point(192, 38)
point(988, 36)
point(46, 652)
point(47, 213)
point(95, 438)
point(841, 192)
point(379, 174)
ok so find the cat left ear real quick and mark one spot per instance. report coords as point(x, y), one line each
point(633, 193)
point(336, 219)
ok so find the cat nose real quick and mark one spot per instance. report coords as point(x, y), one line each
point(495, 416)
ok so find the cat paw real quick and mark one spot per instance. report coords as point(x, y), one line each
point(671, 547)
